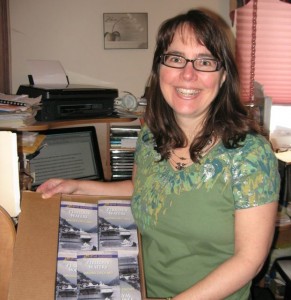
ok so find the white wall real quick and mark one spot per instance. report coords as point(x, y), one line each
point(71, 31)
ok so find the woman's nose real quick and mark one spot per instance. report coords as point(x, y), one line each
point(189, 73)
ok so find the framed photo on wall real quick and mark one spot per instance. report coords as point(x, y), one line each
point(125, 30)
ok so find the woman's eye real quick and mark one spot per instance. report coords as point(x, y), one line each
point(176, 59)
point(205, 62)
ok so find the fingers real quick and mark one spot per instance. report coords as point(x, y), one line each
point(49, 188)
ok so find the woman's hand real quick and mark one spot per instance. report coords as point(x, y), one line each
point(86, 187)
point(56, 186)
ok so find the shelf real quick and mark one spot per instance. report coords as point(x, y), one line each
point(39, 126)
point(103, 139)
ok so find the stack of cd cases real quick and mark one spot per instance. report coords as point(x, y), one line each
point(122, 147)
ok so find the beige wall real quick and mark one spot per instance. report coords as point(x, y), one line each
point(71, 31)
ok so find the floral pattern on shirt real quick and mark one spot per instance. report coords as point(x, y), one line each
point(250, 171)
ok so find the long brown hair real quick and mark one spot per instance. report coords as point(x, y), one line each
point(227, 117)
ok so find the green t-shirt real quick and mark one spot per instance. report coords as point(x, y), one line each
point(186, 217)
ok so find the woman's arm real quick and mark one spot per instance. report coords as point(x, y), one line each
point(254, 231)
point(86, 187)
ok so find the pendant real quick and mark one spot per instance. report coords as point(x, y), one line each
point(180, 166)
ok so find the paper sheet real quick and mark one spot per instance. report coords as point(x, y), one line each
point(47, 72)
point(9, 174)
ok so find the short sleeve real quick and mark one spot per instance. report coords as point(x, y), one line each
point(255, 175)
point(144, 146)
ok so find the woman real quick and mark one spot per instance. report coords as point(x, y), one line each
point(205, 183)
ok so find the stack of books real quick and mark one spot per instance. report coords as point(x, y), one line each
point(122, 147)
point(18, 110)
point(98, 251)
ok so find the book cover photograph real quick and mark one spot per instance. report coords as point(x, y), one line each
point(66, 278)
point(78, 227)
point(129, 275)
point(117, 228)
point(98, 275)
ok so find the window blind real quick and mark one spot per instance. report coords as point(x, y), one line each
point(272, 57)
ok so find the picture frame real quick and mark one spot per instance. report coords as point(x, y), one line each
point(125, 30)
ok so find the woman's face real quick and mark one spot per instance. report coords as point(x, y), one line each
point(187, 91)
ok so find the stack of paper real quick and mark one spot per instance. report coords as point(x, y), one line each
point(18, 110)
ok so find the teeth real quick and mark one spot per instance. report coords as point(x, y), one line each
point(187, 92)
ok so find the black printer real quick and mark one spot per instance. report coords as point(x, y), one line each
point(71, 101)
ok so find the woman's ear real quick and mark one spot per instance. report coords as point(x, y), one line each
point(223, 77)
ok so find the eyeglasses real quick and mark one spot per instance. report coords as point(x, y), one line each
point(199, 64)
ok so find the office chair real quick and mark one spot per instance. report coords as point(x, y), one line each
point(7, 240)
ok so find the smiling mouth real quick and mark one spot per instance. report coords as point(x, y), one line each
point(187, 92)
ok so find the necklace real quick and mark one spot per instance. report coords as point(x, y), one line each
point(179, 165)
point(180, 157)
point(182, 164)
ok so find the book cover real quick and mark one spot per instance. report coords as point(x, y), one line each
point(78, 228)
point(129, 275)
point(98, 275)
point(66, 278)
point(117, 229)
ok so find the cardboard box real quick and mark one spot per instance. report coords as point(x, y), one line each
point(35, 254)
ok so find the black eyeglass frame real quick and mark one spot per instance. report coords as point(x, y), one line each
point(219, 64)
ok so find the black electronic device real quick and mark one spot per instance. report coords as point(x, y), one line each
point(71, 101)
point(71, 153)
